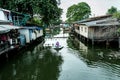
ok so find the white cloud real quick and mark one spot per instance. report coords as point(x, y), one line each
point(98, 7)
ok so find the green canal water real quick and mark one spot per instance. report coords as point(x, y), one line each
point(75, 61)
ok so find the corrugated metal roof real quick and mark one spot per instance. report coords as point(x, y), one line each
point(103, 22)
point(10, 27)
point(94, 19)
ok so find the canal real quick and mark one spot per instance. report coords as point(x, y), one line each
point(76, 61)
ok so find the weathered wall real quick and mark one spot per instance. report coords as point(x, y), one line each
point(105, 32)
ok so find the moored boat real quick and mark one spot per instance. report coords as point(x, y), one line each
point(58, 48)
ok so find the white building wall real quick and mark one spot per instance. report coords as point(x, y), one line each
point(33, 36)
point(84, 30)
point(26, 33)
point(2, 16)
point(38, 34)
point(5, 15)
point(41, 32)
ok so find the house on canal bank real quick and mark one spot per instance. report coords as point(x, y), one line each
point(98, 29)
point(14, 32)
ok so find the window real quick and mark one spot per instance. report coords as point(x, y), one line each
point(81, 28)
point(85, 29)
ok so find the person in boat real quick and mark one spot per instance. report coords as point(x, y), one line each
point(57, 44)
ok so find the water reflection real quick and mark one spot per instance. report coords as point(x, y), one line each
point(96, 53)
point(102, 63)
point(35, 63)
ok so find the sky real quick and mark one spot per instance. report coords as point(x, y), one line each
point(98, 7)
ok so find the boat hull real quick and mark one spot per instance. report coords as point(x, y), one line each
point(57, 48)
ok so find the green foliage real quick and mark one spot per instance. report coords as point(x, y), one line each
point(56, 31)
point(56, 22)
point(78, 12)
point(116, 15)
point(112, 10)
point(48, 9)
point(36, 21)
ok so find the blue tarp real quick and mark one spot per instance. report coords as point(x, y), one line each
point(33, 27)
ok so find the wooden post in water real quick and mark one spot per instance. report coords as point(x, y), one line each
point(92, 41)
point(119, 41)
point(6, 55)
point(107, 43)
point(93, 38)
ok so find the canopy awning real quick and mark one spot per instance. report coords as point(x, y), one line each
point(38, 28)
point(3, 30)
point(7, 28)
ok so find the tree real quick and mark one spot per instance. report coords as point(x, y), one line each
point(78, 12)
point(48, 9)
point(112, 10)
point(117, 15)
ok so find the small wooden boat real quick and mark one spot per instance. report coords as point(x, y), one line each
point(58, 48)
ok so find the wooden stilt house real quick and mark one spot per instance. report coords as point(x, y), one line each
point(99, 29)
